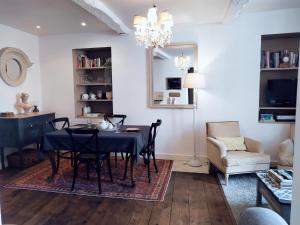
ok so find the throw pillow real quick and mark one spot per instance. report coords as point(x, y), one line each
point(233, 143)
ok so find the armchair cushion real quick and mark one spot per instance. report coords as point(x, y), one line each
point(233, 143)
point(240, 158)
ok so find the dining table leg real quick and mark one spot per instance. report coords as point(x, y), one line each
point(2, 158)
point(51, 156)
point(126, 165)
point(131, 169)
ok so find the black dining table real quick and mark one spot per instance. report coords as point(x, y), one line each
point(109, 141)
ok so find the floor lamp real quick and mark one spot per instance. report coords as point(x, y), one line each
point(195, 81)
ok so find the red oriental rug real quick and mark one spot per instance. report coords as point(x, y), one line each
point(37, 178)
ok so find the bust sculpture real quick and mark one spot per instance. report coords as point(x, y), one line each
point(22, 102)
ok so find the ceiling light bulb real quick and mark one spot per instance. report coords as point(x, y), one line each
point(83, 24)
point(38, 27)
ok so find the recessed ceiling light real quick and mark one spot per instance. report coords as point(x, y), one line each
point(83, 24)
point(38, 27)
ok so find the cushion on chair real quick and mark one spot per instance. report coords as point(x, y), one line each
point(223, 129)
point(240, 158)
point(233, 143)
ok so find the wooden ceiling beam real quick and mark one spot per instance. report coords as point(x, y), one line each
point(104, 14)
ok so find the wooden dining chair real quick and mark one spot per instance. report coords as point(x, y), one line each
point(86, 149)
point(149, 150)
point(59, 124)
point(113, 119)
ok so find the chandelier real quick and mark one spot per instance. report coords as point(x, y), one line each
point(182, 61)
point(153, 30)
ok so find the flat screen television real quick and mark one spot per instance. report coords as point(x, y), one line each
point(173, 83)
point(282, 92)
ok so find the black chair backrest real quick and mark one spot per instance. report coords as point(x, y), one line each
point(110, 118)
point(63, 122)
point(153, 133)
point(84, 140)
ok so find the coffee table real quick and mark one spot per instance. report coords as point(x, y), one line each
point(278, 199)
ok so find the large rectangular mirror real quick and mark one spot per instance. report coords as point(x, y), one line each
point(168, 67)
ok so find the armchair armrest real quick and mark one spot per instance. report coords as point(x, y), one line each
point(286, 148)
point(253, 145)
point(286, 153)
point(217, 145)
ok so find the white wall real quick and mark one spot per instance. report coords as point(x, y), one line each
point(10, 37)
point(295, 217)
point(229, 55)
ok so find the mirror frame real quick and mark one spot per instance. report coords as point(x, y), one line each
point(150, 75)
point(21, 58)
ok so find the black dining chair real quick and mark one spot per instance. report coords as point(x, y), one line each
point(86, 150)
point(59, 124)
point(113, 119)
point(149, 149)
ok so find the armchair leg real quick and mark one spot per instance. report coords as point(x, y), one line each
point(226, 179)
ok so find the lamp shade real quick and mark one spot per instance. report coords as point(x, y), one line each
point(194, 80)
point(139, 21)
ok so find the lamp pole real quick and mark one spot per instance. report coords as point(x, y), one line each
point(195, 162)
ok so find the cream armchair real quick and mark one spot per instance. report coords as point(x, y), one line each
point(286, 151)
point(234, 162)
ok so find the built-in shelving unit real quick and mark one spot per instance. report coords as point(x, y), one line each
point(279, 69)
point(274, 67)
point(92, 75)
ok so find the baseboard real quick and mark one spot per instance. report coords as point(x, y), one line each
point(178, 157)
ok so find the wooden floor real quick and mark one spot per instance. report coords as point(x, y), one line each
point(191, 199)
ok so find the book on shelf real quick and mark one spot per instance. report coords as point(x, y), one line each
point(281, 178)
point(85, 62)
point(279, 59)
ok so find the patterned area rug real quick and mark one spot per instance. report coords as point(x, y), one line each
point(37, 178)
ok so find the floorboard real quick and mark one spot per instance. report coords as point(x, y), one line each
point(191, 199)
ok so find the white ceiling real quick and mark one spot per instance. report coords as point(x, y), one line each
point(183, 11)
point(269, 5)
point(64, 16)
point(54, 17)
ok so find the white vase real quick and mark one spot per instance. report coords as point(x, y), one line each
point(108, 95)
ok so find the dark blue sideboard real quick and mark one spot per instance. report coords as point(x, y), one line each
point(21, 130)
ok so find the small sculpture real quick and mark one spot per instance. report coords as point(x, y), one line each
point(22, 102)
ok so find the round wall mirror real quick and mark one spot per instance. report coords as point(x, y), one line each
point(13, 69)
point(13, 66)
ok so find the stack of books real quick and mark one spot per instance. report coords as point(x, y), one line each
point(281, 178)
point(85, 62)
point(276, 59)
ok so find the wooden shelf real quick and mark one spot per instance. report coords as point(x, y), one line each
point(279, 69)
point(274, 122)
point(96, 100)
point(94, 68)
point(283, 108)
point(94, 84)
point(101, 80)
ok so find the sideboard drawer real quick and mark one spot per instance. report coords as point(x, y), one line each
point(34, 128)
point(9, 133)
